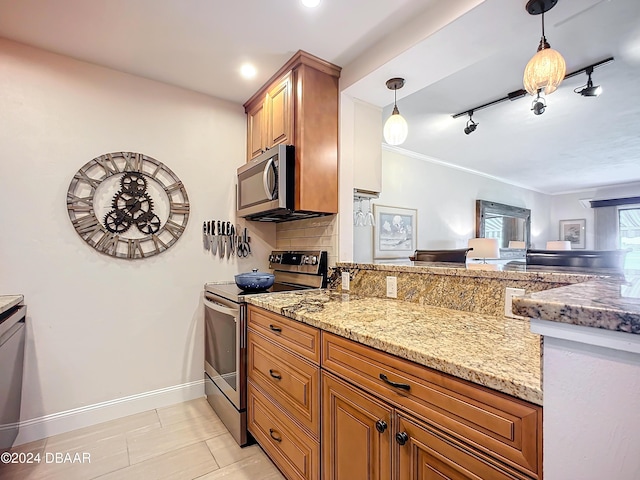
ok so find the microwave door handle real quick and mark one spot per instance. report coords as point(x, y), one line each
point(221, 308)
point(265, 179)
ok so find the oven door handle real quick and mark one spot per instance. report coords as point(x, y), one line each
point(218, 307)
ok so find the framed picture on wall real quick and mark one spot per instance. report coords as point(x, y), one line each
point(395, 231)
point(573, 231)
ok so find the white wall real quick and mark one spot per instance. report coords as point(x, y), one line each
point(591, 402)
point(445, 199)
point(101, 328)
point(568, 207)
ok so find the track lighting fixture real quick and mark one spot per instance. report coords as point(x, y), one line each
point(589, 90)
point(538, 105)
point(471, 125)
point(395, 128)
point(547, 68)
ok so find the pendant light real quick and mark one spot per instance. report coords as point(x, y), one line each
point(547, 68)
point(395, 128)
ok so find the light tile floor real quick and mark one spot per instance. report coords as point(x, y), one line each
point(183, 441)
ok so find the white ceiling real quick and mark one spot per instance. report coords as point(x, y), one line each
point(200, 44)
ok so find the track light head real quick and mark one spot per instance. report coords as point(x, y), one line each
point(589, 90)
point(471, 125)
point(538, 105)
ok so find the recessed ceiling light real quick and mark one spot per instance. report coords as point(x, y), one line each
point(311, 3)
point(248, 71)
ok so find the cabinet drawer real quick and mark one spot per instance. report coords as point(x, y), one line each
point(426, 453)
point(290, 447)
point(490, 421)
point(298, 337)
point(290, 380)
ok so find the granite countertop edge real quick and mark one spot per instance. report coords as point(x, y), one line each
point(526, 390)
point(599, 303)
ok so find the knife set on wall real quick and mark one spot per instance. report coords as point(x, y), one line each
point(224, 239)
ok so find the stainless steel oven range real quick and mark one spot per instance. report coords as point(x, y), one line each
point(225, 328)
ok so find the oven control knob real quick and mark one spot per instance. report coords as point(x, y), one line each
point(305, 260)
point(313, 260)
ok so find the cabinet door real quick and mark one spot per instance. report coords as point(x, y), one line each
point(424, 453)
point(356, 435)
point(280, 113)
point(256, 130)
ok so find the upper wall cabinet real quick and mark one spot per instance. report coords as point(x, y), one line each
point(367, 147)
point(270, 118)
point(299, 106)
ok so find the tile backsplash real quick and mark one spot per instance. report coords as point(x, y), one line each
point(319, 233)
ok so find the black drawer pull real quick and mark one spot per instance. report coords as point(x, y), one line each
point(403, 386)
point(275, 329)
point(402, 438)
point(381, 426)
point(272, 432)
point(277, 376)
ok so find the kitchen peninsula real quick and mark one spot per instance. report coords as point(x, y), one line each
point(449, 320)
point(591, 376)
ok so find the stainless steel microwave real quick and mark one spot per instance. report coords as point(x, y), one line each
point(266, 185)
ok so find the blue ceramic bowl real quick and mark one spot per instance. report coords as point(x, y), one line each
point(255, 280)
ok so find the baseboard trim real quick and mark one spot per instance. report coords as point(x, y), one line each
point(61, 422)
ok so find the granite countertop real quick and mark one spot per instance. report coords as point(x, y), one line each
point(7, 302)
point(512, 270)
point(612, 304)
point(497, 352)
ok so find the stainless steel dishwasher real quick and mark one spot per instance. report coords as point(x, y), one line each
point(12, 333)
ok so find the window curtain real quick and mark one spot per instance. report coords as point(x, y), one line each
point(606, 228)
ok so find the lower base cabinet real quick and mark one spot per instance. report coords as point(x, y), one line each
point(322, 406)
point(293, 450)
point(356, 433)
point(361, 435)
point(425, 453)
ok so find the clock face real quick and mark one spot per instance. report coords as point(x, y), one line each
point(127, 205)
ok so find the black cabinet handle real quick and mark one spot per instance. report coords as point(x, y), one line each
point(381, 426)
point(403, 386)
point(275, 329)
point(272, 432)
point(275, 375)
point(402, 438)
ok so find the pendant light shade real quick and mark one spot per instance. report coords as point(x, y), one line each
point(546, 69)
point(395, 128)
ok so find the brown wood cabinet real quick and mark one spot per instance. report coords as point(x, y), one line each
point(478, 429)
point(299, 106)
point(374, 416)
point(283, 395)
point(424, 452)
point(490, 422)
point(356, 433)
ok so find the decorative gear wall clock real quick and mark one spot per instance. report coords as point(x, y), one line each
point(128, 205)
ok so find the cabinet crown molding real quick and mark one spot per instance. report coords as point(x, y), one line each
point(299, 58)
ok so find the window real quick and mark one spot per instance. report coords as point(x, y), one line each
point(629, 234)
